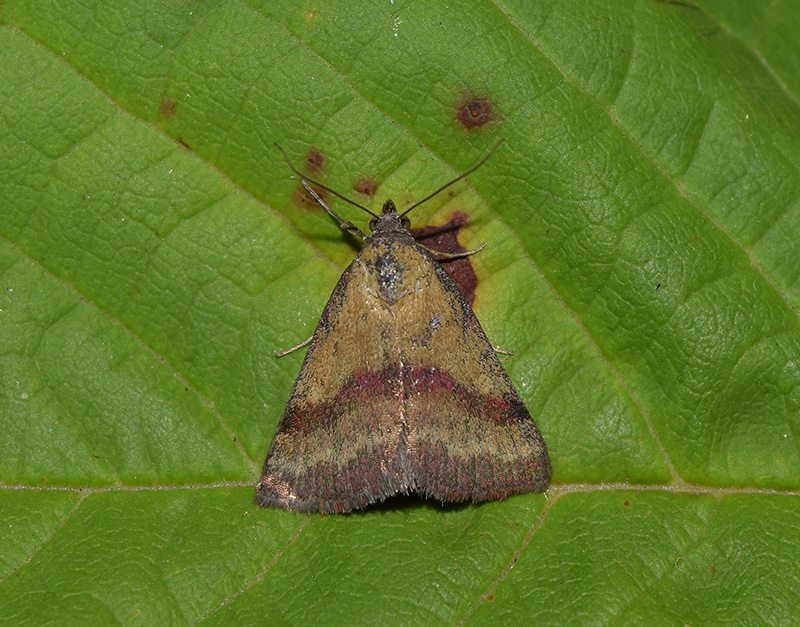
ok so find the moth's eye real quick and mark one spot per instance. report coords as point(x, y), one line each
point(405, 222)
point(373, 223)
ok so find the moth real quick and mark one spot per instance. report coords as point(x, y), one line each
point(400, 390)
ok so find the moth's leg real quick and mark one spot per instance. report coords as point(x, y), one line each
point(443, 255)
point(294, 348)
point(347, 226)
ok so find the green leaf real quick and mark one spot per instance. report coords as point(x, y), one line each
point(642, 262)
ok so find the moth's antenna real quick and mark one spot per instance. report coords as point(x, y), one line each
point(325, 187)
point(455, 180)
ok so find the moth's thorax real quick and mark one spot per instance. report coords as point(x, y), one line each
point(388, 254)
point(387, 259)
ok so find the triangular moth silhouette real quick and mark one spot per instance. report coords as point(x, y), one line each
point(400, 391)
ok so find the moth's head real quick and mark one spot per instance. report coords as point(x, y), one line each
point(389, 220)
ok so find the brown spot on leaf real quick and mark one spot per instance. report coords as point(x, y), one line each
point(474, 112)
point(366, 186)
point(314, 160)
point(167, 108)
point(626, 502)
point(713, 571)
point(303, 199)
point(445, 239)
point(490, 597)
